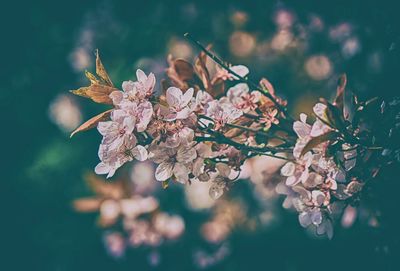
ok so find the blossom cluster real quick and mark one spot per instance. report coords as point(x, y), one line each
point(317, 186)
point(129, 218)
point(208, 120)
point(171, 126)
point(190, 134)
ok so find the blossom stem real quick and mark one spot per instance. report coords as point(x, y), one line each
point(247, 129)
point(221, 139)
point(251, 116)
point(253, 85)
point(256, 132)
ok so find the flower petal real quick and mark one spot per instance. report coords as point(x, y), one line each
point(305, 219)
point(141, 76)
point(102, 168)
point(301, 129)
point(140, 153)
point(216, 190)
point(128, 86)
point(223, 169)
point(288, 169)
point(181, 173)
point(173, 96)
point(164, 171)
point(320, 110)
point(187, 97)
point(240, 70)
point(185, 154)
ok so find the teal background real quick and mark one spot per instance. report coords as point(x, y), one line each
point(41, 168)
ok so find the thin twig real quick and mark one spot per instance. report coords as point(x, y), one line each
point(241, 78)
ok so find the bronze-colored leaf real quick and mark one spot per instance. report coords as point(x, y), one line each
point(200, 66)
point(95, 92)
point(218, 88)
point(104, 188)
point(233, 132)
point(101, 71)
point(173, 74)
point(85, 205)
point(91, 123)
point(184, 69)
point(81, 92)
point(165, 84)
point(100, 93)
point(315, 141)
point(92, 78)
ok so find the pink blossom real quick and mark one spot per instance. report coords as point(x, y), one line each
point(135, 91)
point(222, 113)
point(301, 128)
point(201, 101)
point(219, 180)
point(118, 145)
point(115, 131)
point(178, 103)
point(144, 84)
point(240, 70)
point(115, 244)
point(143, 114)
point(170, 226)
point(241, 97)
point(173, 162)
point(203, 151)
point(183, 136)
point(319, 128)
point(320, 111)
point(141, 111)
point(114, 158)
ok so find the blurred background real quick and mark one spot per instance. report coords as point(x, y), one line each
point(300, 46)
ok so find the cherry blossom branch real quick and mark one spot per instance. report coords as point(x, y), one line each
point(257, 132)
point(221, 139)
point(255, 86)
point(247, 129)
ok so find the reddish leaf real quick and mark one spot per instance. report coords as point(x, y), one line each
point(339, 100)
point(265, 84)
point(218, 88)
point(184, 69)
point(335, 117)
point(173, 75)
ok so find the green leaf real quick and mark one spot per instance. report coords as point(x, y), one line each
point(165, 184)
point(335, 117)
